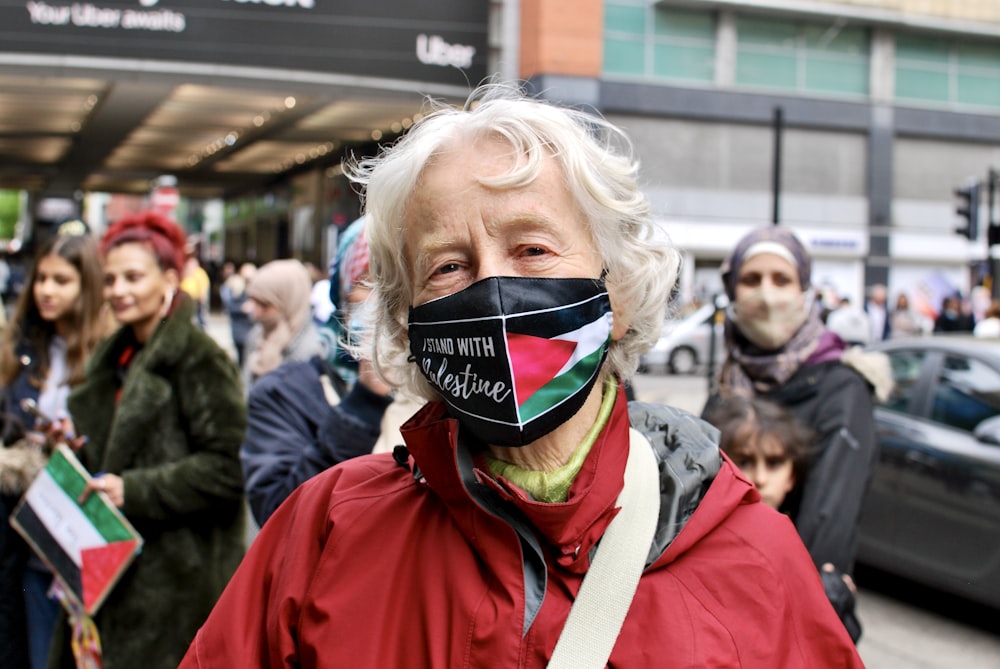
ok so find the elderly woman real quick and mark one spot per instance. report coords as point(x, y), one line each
point(515, 265)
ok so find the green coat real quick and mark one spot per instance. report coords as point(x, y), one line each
point(174, 438)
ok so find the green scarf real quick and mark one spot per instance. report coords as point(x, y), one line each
point(554, 486)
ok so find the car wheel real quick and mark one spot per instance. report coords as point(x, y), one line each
point(683, 361)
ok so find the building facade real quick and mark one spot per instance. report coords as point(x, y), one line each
point(850, 122)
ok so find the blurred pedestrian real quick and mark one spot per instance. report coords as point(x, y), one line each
point(517, 280)
point(906, 321)
point(779, 350)
point(56, 325)
point(850, 323)
point(990, 325)
point(197, 284)
point(877, 309)
point(283, 330)
point(773, 450)
point(319, 298)
point(954, 317)
point(304, 416)
point(164, 412)
point(234, 298)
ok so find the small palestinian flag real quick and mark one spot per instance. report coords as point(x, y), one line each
point(548, 370)
point(88, 545)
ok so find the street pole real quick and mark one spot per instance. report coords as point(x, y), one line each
point(993, 232)
point(776, 166)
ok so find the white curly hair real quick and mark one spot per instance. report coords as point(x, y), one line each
point(601, 174)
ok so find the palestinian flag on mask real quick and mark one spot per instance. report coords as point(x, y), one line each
point(88, 545)
point(566, 350)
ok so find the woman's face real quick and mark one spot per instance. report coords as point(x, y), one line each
point(458, 232)
point(57, 287)
point(136, 288)
point(770, 305)
point(267, 315)
point(767, 465)
point(768, 272)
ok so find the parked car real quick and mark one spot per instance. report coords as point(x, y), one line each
point(933, 512)
point(684, 345)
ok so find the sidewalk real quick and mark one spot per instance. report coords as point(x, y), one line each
point(218, 327)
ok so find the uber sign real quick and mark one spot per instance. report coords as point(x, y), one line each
point(440, 41)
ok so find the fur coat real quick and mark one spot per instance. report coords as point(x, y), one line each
point(174, 438)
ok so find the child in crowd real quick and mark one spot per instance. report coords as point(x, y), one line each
point(765, 443)
point(772, 450)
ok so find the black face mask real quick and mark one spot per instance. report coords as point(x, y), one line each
point(514, 358)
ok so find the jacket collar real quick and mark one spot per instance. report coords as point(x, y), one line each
point(686, 447)
point(166, 346)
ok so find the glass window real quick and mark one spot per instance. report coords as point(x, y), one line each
point(820, 58)
point(675, 62)
point(906, 366)
point(625, 19)
point(931, 69)
point(624, 38)
point(624, 57)
point(966, 393)
point(646, 40)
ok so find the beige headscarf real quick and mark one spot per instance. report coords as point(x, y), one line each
point(286, 285)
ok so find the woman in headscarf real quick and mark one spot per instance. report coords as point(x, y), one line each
point(278, 302)
point(778, 349)
point(309, 415)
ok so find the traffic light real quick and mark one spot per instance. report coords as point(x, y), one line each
point(968, 210)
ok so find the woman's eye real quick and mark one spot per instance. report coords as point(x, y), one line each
point(535, 251)
point(447, 268)
point(775, 463)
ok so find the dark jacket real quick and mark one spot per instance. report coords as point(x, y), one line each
point(174, 439)
point(13, 558)
point(293, 432)
point(15, 418)
point(384, 561)
point(240, 322)
point(836, 402)
point(16, 472)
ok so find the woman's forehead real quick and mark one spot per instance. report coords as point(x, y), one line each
point(766, 263)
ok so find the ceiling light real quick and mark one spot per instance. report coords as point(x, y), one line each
point(289, 102)
point(376, 134)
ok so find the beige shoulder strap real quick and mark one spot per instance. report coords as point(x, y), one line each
point(607, 590)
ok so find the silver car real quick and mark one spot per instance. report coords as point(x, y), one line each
point(684, 346)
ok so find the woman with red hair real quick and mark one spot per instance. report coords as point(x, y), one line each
point(163, 409)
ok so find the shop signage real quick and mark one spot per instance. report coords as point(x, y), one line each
point(442, 41)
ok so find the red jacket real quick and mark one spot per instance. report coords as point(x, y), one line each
point(379, 564)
